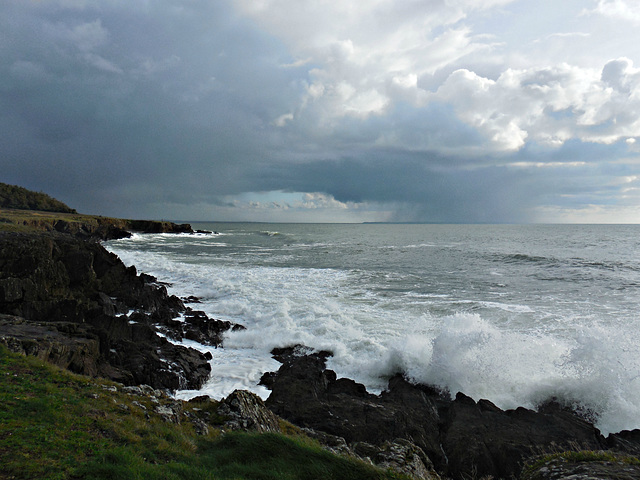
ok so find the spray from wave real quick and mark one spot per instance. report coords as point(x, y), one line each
point(513, 349)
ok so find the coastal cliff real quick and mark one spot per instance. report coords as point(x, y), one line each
point(89, 227)
point(67, 300)
point(74, 304)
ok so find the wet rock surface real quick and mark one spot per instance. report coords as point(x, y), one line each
point(71, 302)
point(463, 438)
point(594, 466)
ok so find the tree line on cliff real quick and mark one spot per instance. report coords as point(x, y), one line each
point(16, 197)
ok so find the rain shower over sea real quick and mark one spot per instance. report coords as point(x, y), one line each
point(516, 314)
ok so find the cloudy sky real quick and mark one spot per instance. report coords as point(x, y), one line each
point(325, 110)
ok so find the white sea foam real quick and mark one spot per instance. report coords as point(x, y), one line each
point(517, 352)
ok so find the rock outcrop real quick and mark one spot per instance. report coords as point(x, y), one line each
point(583, 466)
point(463, 438)
point(246, 411)
point(73, 303)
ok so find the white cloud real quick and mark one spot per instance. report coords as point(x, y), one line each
point(321, 200)
point(549, 106)
point(365, 58)
point(278, 206)
point(618, 9)
point(282, 120)
point(362, 55)
point(565, 36)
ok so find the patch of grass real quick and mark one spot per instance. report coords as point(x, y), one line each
point(57, 425)
point(577, 456)
point(598, 456)
point(273, 457)
point(44, 429)
point(15, 220)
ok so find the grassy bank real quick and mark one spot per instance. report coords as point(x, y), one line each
point(30, 220)
point(12, 220)
point(57, 425)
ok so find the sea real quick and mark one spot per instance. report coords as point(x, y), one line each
point(516, 314)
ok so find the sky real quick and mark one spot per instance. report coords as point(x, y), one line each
point(453, 111)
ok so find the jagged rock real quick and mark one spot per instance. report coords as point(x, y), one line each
point(308, 395)
point(626, 441)
point(399, 455)
point(170, 413)
point(479, 437)
point(591, 466)
point(199, 426)
point(145, 390)
point(247, 411)
point(154, 226)
point(61, 286)
point(67, 345)
point(331, 443)
point(204, 330)
point(139, 405)
point(462, 437)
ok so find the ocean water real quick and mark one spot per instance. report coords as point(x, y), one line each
point(514, 314)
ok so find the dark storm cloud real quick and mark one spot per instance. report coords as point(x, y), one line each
point(113, 97)
point(179, 108)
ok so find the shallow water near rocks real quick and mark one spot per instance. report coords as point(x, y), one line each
point(515, 314)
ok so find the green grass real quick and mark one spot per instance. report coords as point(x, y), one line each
point(577, 456)
point(57, 425)
point(31, 220)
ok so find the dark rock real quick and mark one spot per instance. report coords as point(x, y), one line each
point(247, 411)
point(197, 326)
point(11, 290)
point(462, 437)
point(59, 285)
point(481, 438)
point(70, 346)
point(153, 226)
point(191, 299)
point(102, 229)
point(626, 441)
point(307, 394)
point(108, 305)
point(587, 465)
point(403, 457)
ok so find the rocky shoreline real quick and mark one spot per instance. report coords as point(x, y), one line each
point(72, 303)
point(67, 300)
point(460, 437)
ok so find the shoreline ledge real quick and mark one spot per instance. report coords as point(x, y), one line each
point(90, 227)
point(66, 300)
